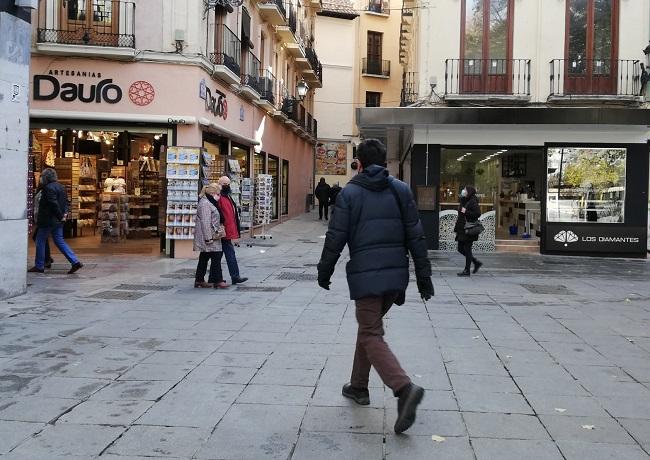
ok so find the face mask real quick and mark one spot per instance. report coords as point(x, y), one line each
point(463, 193)
point(225, 189)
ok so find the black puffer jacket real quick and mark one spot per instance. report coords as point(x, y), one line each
point(53, 205)
point(368, 219)
point(471, 214)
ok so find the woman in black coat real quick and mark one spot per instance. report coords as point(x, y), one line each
point(468, 211)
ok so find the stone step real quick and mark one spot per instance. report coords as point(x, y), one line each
point(515, 246)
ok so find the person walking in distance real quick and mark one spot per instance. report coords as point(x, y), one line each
point(207, 239)
point(322, 193)
point(230, 219)
point(377, 218)
point(36, 203)
point(53, 210)
point(468, 211)
point(334, 192)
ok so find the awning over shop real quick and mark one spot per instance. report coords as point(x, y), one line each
point(211, 126)
point(113, 117)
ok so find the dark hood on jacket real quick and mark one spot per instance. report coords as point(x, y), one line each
point(373, 178)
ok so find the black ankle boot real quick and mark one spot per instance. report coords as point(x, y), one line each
point(409, 399)
point(464, 273)
point(358, 395)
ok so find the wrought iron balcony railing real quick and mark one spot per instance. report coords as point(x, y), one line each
point(595, 77)
point(252, 73)
point(378, 67)
point(409, 89)
point(94, 23)
point(293, 19)
point(227, 49)
point(312, 57)
point(506, 77)
point(267, 86)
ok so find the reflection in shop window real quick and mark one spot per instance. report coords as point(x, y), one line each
point(586, 185)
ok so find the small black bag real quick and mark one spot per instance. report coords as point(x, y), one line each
point(474, 228)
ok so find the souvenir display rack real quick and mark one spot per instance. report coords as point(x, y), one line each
point(113, 217)
point(263, 202)
point(144, 198)
point(246, 207)
point(183, 172)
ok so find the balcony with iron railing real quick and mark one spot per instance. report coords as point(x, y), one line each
point(227, 55)
point(251, 77)
point(273, 11)
point(488, 80)
point(594, 80)
point(409, 93)
point(313, 75)
point(101, 23)
point(267, 90)
point(373, 67)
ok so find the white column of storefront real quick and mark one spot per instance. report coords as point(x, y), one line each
point(14, 77)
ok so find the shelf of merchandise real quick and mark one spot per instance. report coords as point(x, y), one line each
point(67, 170)
point(113, 217)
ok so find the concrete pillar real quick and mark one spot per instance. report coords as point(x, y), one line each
point(15, 37)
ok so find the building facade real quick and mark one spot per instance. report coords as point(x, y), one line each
point(541, 106)
point(118, 92)
point(368, 74)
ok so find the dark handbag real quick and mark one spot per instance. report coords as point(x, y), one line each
point(473, 228)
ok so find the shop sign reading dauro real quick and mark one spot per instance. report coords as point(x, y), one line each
point(48, 87)
point(218, 106)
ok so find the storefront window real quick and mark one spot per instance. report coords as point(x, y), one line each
point(586, 184)
point(274, 171)
point(464, 167)
point(285, 187)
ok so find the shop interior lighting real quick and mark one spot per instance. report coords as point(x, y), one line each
point(44, 131)
point(157, 136)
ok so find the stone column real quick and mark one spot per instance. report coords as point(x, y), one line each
point(15, 39)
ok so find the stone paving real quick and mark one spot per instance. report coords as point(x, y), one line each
point(535, 357)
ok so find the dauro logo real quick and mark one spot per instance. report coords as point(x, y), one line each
point(566, 237)
point(47, 88)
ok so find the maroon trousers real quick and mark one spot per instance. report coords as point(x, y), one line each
point(371, 348)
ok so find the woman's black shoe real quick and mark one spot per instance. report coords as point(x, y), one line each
point(464, 273)
point(358, 395)
point(477, 266)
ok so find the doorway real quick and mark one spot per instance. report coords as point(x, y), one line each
point(95, 21)
point(591, 65)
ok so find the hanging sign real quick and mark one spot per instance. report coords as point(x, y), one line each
point(217, 104)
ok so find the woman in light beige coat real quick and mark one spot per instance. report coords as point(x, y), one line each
point(206, 239)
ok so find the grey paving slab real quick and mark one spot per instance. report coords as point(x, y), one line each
point(97, 412)
point(172, 372)
point(64, 387)
point(13, 433)
point(159, 441)
point(506, 403)
point(483, 383)
point(236, 360)
point(626, 406)
point(587, 429)
point(133, 390)
point(577, 450)
point(325, 446)
point(251, 431)
point(424, 448)
point(505, 426)
point(34, 409)
point(344, 419)
point(428, 422)
point(276, 394)
point(566, 405)
point(504, 449)
point(185, 358)
point(67, 440)
point(222, 374)
point(278, 376)
point(639, 429)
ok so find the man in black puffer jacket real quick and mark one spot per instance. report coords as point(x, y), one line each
point(377, 218)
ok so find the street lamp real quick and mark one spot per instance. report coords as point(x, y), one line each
point(301, 88)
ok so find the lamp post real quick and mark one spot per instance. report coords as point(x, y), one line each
point(301, 88)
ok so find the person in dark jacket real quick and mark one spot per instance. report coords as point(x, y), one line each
point(53, 210)
point(334, 192)
point(322, 193)
point(230, 215)
point(377, 218)
point(468, 211)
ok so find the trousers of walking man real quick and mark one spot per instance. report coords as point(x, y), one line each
point(377, 218)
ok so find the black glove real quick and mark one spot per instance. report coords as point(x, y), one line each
point(425, 287)
point(324, 283)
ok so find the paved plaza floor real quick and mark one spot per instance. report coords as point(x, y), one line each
point(534, 358)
